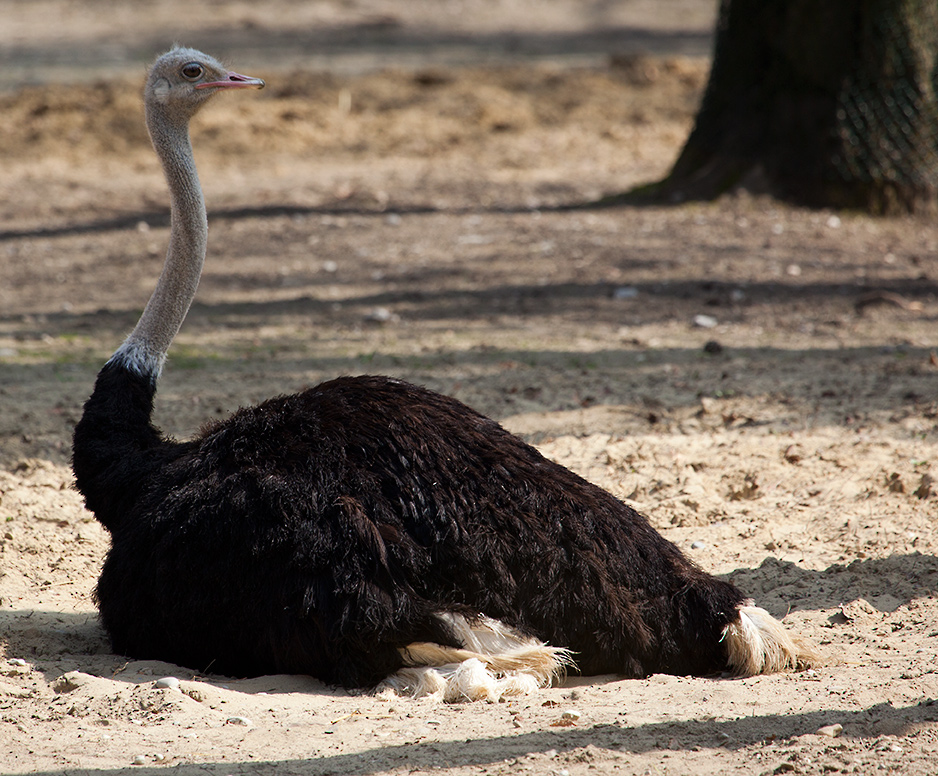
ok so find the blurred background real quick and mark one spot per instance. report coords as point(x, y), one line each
point(67, 40)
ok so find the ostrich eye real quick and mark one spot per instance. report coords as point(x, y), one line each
point(192, 71)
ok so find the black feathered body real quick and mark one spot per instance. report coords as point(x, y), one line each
point(319, 533)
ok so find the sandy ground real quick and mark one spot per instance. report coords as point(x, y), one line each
point(759, 379)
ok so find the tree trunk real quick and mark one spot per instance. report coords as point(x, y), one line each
point(830, 103)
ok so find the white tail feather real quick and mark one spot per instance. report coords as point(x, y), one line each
point(757, 643)
point(495, 661)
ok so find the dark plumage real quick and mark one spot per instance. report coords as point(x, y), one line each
point(332, 531)
point(319, 533)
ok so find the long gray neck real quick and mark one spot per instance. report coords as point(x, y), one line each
point(144, 350)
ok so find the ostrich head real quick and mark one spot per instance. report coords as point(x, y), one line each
point(182, 80)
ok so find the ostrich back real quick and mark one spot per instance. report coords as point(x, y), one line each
point(321, 532)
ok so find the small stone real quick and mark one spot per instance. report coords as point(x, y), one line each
point(625, 292)
point(571, 714)
point(139, 760)
point(473, 239)
point(238, 721)
point(197, 695)
point(698, 545)
point(831, 731)
point(705, 321)
point(168, 683)
point(713, 347)
point(833, 222)
point(924, 489)
point(17, 661)
point(68, 682)
point(380, 315)
point(894, 483)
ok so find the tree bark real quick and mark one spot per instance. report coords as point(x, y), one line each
point(830, 103)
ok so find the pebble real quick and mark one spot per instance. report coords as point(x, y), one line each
point(238, 721)
point(17, 661)
point(380, 315)
point(197, 695)
point(571, 714)
point(625, 292)
point(705, 321)
point(831, 731)
point(698, 545)
point(168, 683)
point(139, 760)
point(473, 239)
point(833, 222)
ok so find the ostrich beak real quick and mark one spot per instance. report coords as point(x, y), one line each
point(233, 81)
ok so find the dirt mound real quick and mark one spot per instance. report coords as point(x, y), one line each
point(427, 112)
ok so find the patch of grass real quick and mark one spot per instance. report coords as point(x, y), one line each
point(186, 356)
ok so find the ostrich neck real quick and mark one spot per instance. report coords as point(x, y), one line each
point(144, 350)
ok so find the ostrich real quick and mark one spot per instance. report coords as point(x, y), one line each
point(369, 532)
